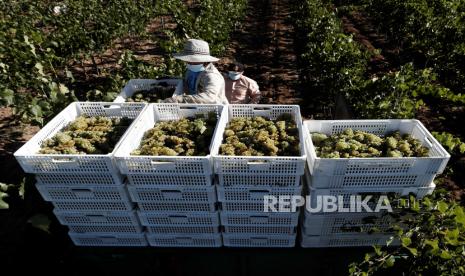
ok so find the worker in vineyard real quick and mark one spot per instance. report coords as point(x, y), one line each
point(240, 89)
point(203, 83)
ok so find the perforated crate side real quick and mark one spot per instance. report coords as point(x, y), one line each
point(173, 194)
point(228, 180)
point(150, 180)
point(259, 229)
point(177, 206)
point(32, 162)
point(80, 179)
point(210, 240)
point(78, 193)
point(179, 218)
point(434, 164)
point(108, 229)
point(380, 181)
point(97, 218)
point(126, 240)
point(145, 84)
point(348, 224)
point(247, 240)
point(264, 165)
point(93, 206)
point(165, 165)
point(174, 229)
point(259, 218)
point(253, 193)
point(356, 240)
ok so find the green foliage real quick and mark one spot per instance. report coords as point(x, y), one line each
point(432, 242)
point(452, 143)
point(331, 61)
point(36, 45)
point(39, 39)
point(433, 29)
point(394, 95)
point(9, 189)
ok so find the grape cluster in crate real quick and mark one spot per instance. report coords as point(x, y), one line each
point(196, 175)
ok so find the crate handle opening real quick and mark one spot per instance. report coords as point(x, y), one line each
point(84, 193)
point(178, 216)
point(162, 165)
point(64, 160)
point(259, 240)
point(261, 108)
point(184, 239)
point(111, 106)
point(188, 107)
point(258, 193)
point(108, 239)
point(171, 194)
point(257, 219)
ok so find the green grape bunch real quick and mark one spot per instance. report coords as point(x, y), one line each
point(184, 137)
point(155, 94)
point(355, 143)
point(87, 135)
point(260, 136)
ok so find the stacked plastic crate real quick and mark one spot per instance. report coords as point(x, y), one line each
point(175, 195)
point(87, 191)
point(351, 177)
point(244, 181)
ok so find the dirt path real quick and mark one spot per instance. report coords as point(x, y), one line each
point(265, 45)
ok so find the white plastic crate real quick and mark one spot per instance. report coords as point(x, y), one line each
point(165, 165)
point(253, 240)
point(179, 240)
point(259, 218)
point(346, 194)
point(259, 180)
point(253, 193)
point(356, 240)
point(68, 164)
point(173, 194)
point(148, 180)
point(190, 230)
point(164, 206)
point(93, 206)
point(144, 84)
point(127, 240)
point(403, 168)
point(343, 223)
point(260, 229)
point(97, 218)
point(78, 193)
point(108, 229)
point(114, 178)
point(259, 165)
point(179, 218)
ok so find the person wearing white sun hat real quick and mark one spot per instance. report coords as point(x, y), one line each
point(203, 83)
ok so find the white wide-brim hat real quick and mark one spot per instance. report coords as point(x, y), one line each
point(195, 50)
